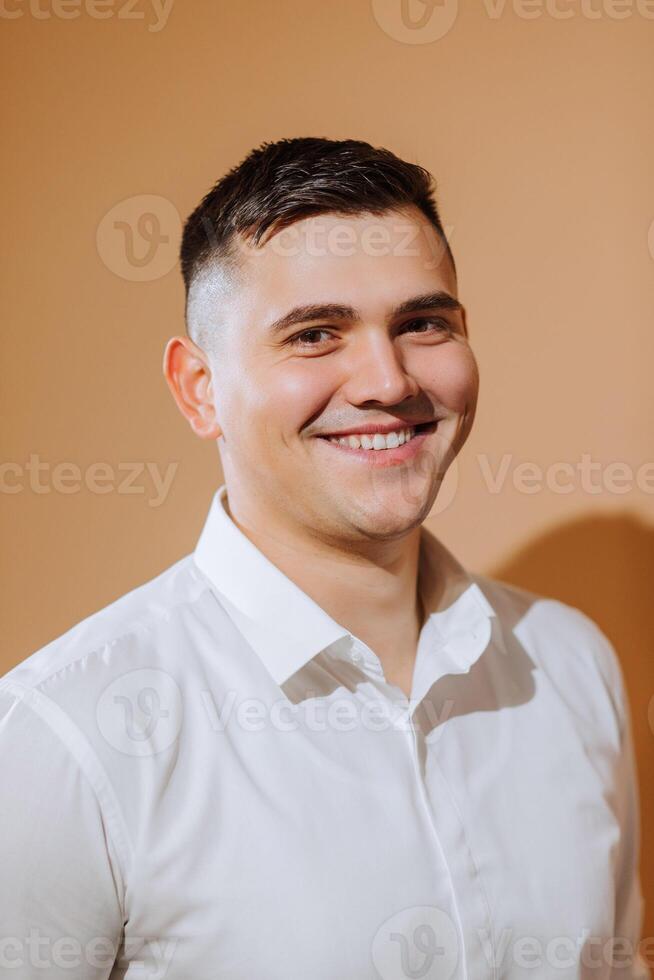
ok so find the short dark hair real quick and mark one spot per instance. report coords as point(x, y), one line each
point(282, 182)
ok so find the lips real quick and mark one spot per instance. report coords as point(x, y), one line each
point(383, 428)
point(372, 452)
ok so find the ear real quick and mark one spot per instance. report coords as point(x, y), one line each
point(188, 374)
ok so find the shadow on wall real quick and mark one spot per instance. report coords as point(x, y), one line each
point(605, 567)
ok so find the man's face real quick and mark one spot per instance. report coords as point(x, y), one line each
point(336, 326)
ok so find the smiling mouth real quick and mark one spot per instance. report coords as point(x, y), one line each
point(380, 442)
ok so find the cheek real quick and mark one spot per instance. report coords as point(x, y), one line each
point(451, 376)
point(300, 390)
point(281, 401)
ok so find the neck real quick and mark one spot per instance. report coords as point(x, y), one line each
point(371, 589)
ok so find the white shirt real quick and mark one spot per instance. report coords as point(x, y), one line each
point(211, 778)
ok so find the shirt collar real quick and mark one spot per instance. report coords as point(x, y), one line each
point(287, 628)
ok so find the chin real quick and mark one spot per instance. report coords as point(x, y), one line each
point(391, 515)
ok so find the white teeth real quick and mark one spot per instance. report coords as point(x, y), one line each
point(390, 440)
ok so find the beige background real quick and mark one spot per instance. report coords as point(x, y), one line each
point(538, 130)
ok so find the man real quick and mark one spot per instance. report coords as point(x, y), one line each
point(320, 747)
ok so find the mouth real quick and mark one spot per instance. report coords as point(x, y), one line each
point(382, 448)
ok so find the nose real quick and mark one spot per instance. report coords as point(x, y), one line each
point(376, 371)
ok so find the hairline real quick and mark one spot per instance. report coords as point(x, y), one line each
point(227, 254)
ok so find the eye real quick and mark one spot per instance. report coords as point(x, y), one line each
point(428, 325)
point(310, 337)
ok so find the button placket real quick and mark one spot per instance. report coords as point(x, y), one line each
point(417, 749)
point(469, 908)
point(457, 643)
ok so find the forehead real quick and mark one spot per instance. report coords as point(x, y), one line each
point(371, 262)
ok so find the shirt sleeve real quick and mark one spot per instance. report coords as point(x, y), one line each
point(60, 902)
point(629, 905)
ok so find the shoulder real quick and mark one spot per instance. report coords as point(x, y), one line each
point(107, 693)
point(130, 623)
point(563, 641)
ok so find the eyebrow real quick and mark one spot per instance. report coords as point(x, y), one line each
point(439, 300)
